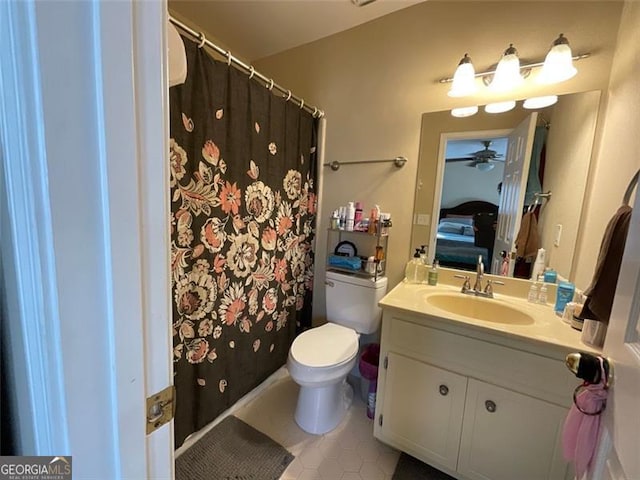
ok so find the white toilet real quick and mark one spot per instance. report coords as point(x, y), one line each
point(320, 358)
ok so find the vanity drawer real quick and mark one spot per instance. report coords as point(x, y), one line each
point(526, 372)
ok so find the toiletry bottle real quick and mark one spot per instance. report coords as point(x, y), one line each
point(542, 296)
point(533, 293)
point(433, 273)
point(411, 271)
point(538, 266)
point(564, 294)
point(351, 213)
point(357, 219)
point(423, 254)
point(550, 275)
point(343, 218)
point(373, 222)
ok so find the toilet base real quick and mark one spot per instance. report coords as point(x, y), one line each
point(321, 409)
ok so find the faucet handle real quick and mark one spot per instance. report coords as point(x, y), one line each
point(466, 286)
point(488, 289)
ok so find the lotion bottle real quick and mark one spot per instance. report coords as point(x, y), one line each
point(350, 216)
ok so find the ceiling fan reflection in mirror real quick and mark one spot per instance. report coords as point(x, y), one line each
point(482, 159)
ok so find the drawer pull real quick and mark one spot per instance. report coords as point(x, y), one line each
point(444, 390)
point(490, 406)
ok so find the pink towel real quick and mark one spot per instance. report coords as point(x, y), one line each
point(580, 433)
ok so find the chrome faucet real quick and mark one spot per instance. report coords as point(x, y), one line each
point(477, 287)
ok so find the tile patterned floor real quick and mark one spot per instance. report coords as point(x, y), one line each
point(350, 452)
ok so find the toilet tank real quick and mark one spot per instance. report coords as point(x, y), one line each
point(353, 301)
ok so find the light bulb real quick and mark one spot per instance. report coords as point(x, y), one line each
point(540, 102)
point(464, 80)
point(500, 107)
point(558, 64)
point(485, 166)
point(507, 76)
point(464, 111)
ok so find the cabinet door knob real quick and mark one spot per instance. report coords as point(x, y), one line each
point(444, 390)
point(490, 406)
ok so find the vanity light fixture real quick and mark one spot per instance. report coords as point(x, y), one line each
point(464, 80)
point(539, 102)
point(558, 64)
point(500, 107)
point(464, 111)
point(509, 73)
point(485, 166)
point(507, 76)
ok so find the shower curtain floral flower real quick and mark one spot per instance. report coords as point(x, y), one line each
point(243, 168)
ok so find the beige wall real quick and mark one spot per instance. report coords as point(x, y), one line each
point(375, 81)
point(618, 144)
point(568, 154)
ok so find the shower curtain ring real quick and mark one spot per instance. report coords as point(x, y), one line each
point(252, 72)
point(288, 95)
point(203, 39)
point(301, 103)
point(229, 57)
point(315, 112)
point(270, 87)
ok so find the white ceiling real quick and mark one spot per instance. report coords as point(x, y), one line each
point(255, 29)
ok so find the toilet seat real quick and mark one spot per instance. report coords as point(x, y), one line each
point(325, 346)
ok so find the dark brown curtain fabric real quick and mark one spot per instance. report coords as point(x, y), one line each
point(243, 170)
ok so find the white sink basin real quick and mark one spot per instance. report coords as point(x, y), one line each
point(478, 308)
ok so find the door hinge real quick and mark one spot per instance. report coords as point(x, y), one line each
point(160, 408)
point(386, 362)
point(380, 420)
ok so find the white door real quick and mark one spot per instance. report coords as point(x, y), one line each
point(84, 231)
point(618, 456)
point(514, 185)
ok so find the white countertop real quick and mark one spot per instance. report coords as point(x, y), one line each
point(547, 328)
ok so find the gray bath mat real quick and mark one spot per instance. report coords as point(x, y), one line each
point(409, 468)
point(233, 450)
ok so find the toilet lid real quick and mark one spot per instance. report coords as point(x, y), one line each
point(324, 346)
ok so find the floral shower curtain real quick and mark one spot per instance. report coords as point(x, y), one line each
point(243, 169)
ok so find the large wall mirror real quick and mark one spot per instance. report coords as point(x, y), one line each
point(467, 198)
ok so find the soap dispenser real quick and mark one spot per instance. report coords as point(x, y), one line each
point(423, 255)
point(433, 273)
point(411, 271)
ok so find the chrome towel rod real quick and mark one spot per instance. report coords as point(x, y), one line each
point(398, 162)
point(268, 82)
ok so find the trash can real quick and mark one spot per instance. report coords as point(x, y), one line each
point(369, 361)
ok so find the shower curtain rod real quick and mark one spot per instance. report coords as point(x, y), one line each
point(268, 82)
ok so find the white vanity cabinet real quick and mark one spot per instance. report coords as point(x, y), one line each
point(472, 404)
point(507, 435)
point(423, 408)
